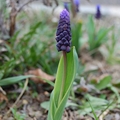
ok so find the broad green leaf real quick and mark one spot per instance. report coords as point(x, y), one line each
point(46, 104)
point(95, 100)
point(104, 82)
point(56, 107)
point(91, 32)
point(101, 35)
point(76, 34)
point(85, 108)
point(12, 80)
point(1, 74)
point(91, 26)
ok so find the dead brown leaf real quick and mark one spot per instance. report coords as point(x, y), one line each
point(41, 74)
point(0, 117)
point(3, 98)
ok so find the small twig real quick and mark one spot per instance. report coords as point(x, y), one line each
point(101, 117)
point(2, 91)
point(56, 2)
point(105, 112)
point(21, 94)
point(13, 16)
point(3, 29)
point(55, 6)
point(73, 9)
point(47, 2)
point(25, 5)
point(19, 97)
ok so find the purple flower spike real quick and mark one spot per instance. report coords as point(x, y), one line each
point(63, 34)
point(66, 6)
point(98, 12)
point(77, 3)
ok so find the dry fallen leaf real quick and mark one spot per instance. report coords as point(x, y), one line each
point(3, 98)
point(0, 117)
point(42, 75)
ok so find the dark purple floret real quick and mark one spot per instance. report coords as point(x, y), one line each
point(98, 12)
point(68, 49)
point(64, 47)
point(66, 6)
point(77, 3)
point(63, 34)
point(66, 43)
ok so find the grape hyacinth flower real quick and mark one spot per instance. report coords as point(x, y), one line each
point(66, 6)
point(77, 3)
point(98, 12)
point(66, 71)
point(63, 34)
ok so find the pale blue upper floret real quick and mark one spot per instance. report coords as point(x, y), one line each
point(77, 3)
point(66, 6)
point(63, 34)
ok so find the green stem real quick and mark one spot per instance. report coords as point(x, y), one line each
point(64, 76)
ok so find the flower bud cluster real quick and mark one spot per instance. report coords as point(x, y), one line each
point(66, 6)
point(98, 12)
point(63, 34)
point(77, 4)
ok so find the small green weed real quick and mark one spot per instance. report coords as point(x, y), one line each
point(16, 115)
point(96, 38)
